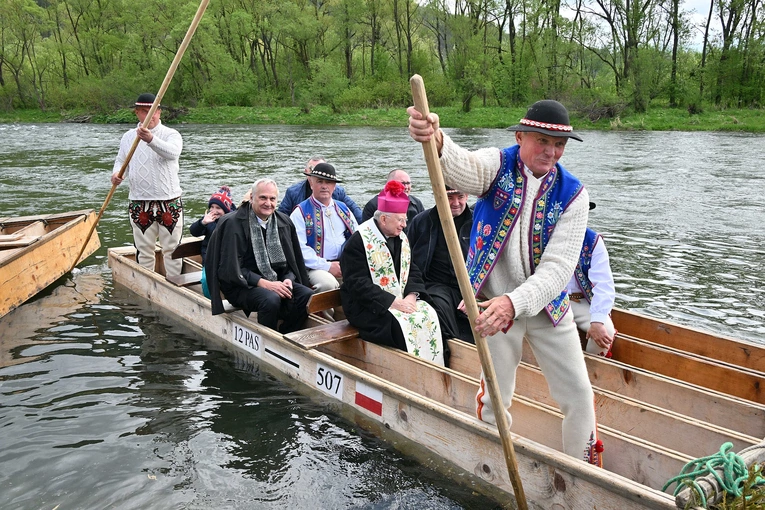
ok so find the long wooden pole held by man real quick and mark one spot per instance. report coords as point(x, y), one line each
point(455, 252)
point(152, 110)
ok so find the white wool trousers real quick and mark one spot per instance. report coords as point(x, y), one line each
point(145, 243)
point(559, 354)
point(322, 280)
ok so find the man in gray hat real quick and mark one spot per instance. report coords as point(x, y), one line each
point(527, 233)
point(155, 208)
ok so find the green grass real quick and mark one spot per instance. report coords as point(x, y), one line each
point(656, 119)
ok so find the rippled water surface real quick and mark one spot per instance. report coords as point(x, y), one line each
point(107, 403)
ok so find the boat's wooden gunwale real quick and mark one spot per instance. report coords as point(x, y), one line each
point(551, 478)
point(536, 416)
point(691, 367)
point(637, 458)
point(688, 339)
point(20, 221)
point(25, 271)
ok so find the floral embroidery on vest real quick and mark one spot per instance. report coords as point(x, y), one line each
point(582, 270)
point(495, 216)
point(311, 211)
point(480, 261)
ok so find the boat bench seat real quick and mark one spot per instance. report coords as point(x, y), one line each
point(23, 236)
point(188, 249)
point(324, 301)
point(11, 241)
point(324, 334)
point(186, 279)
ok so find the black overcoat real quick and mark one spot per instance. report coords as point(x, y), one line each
point(231, 263)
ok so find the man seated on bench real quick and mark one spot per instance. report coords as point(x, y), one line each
point(382, 291)
point(254, 259)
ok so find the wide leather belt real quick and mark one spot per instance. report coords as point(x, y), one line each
point(576, 296)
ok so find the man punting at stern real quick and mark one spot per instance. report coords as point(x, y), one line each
point(528, 227)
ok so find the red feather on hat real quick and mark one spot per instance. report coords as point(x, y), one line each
point(394, 187)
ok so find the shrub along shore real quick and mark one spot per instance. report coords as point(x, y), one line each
point(656, 119)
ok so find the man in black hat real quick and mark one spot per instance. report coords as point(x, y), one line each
point(528, 227)
point(155, 208)
point(302, 190)
point(323, 226)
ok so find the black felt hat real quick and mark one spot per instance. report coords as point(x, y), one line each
point(325, 171)
point(146, 99)
point(548, 117)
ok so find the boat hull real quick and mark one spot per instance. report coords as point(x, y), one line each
point(550, 479)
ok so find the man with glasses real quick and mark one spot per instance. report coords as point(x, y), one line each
point(415, 205)
point(301, 191)
point(383, 293)
point(431, 254)
point(254, 259)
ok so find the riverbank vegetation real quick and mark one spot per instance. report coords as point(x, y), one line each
point(656, 119)
point(653, 64)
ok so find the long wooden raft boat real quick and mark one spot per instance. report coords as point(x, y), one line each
point(35, 251)
point(651, 424)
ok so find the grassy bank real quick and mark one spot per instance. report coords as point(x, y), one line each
point(656, 119)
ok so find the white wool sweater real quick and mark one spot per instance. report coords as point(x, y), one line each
point(474, 172)
point(153, 169)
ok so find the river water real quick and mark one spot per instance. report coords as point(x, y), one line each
point(107, 403)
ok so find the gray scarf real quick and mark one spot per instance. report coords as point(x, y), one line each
point(269, 254)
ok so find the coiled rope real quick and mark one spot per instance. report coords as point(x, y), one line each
point(727, 468)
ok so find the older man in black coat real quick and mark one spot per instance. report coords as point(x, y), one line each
point(431, 254)
point(266, 276)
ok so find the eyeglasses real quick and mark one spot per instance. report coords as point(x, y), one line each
point(406, 183)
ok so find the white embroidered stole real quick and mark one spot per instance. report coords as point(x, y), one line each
point(421, 328)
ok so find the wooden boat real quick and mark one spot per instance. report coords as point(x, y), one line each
point(35, 251)
point(651, 424)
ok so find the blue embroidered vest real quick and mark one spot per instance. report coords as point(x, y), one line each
point(582, 271)
point(497, 212)
point(314, 222)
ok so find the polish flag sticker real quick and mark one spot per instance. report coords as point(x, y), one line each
point(369, 398)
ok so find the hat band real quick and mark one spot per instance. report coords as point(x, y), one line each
point(545, 125)
point(314, 173)
point(144, 104)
